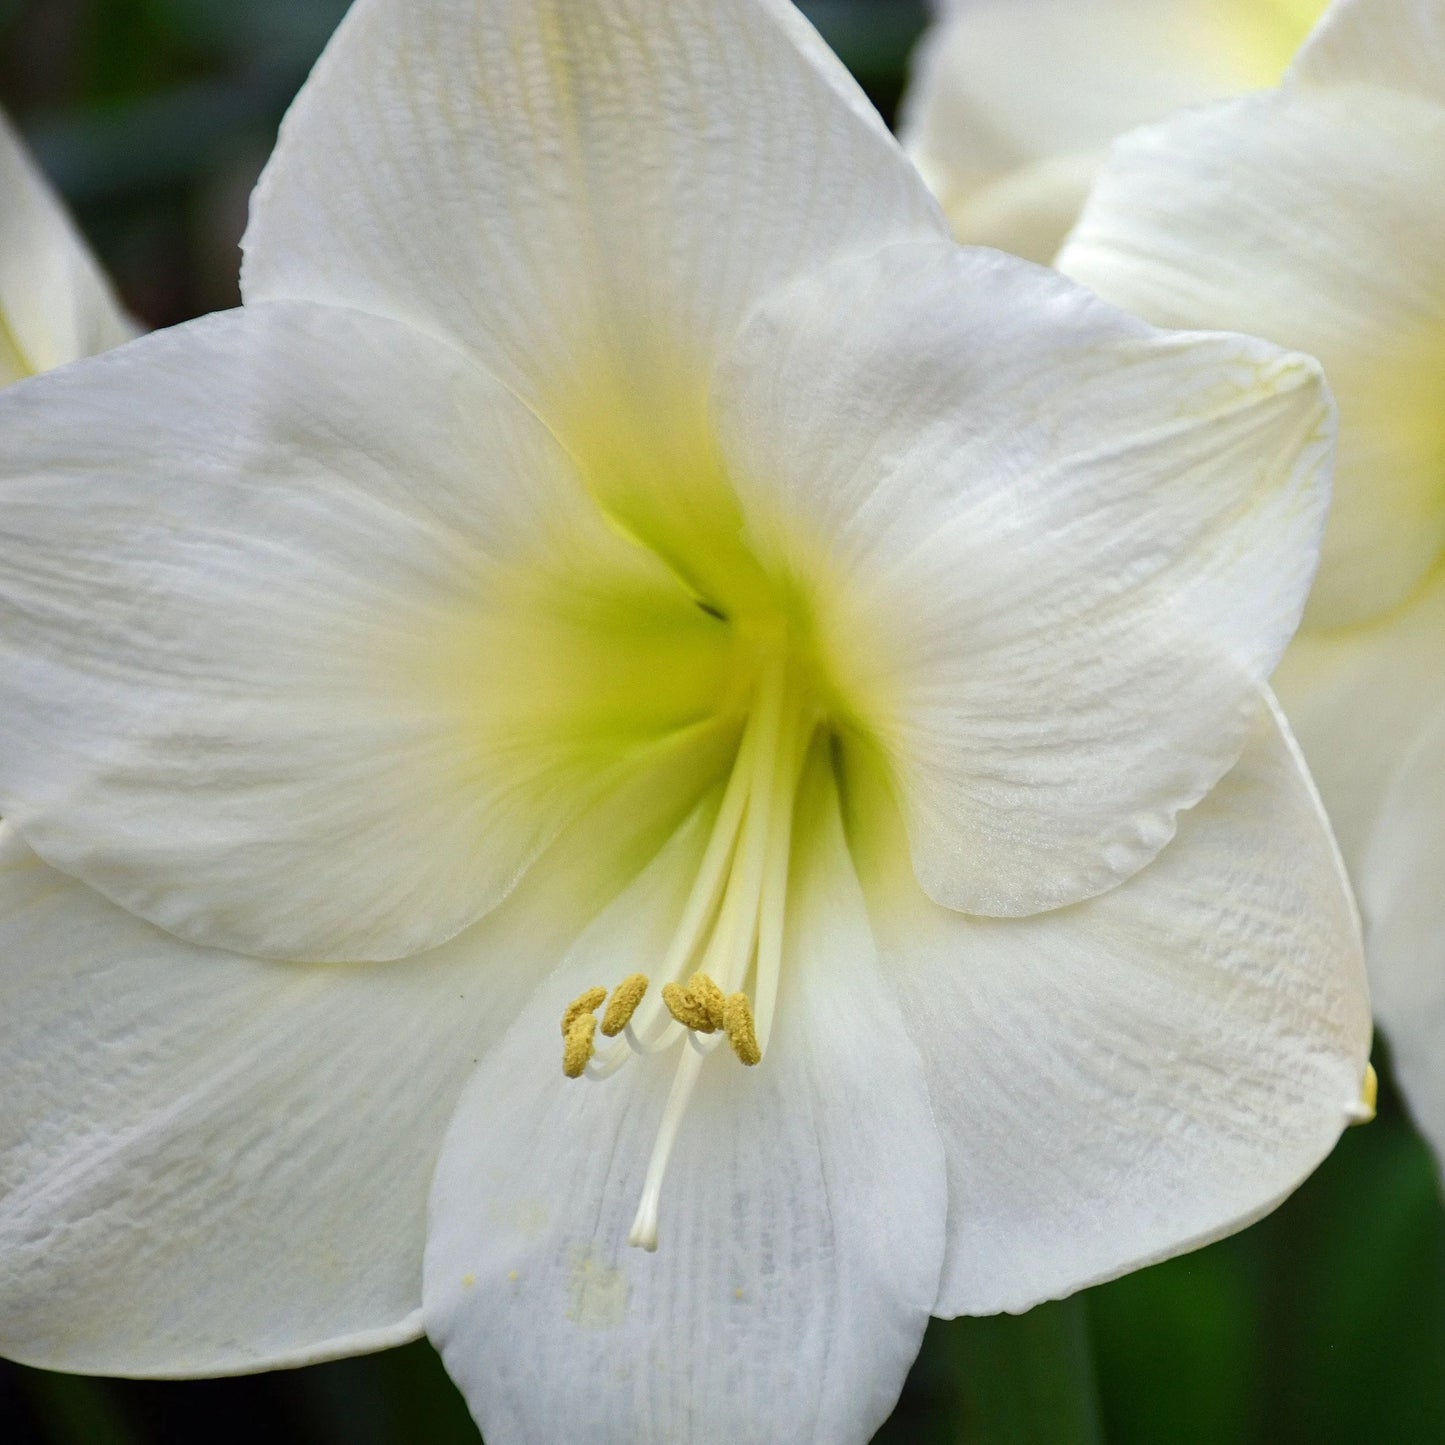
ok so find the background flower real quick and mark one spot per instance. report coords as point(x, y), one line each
point(1014, 102)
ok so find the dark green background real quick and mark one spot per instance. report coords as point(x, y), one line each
point(1324, 1324)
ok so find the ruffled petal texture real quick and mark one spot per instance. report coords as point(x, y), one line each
point(211, 1163)
point(1314, 217)
point(313, 638)
point(1014, 102)
point(1133, 1077)
point(1404, 904)
point(55, 303)
point(1055, 552)
point(802, 1214)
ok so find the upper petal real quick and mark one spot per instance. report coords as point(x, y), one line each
point(312, 638)
point(1133, 1077)
point(801, 1220)
point(55, 303)
point(1047, 553)
point(210, 1163)
point(1315, 217)
point(592, 191)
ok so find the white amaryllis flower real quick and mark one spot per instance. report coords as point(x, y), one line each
point(55, 303)
point(1014, 102)
point(625, 567)
point(1316, 215)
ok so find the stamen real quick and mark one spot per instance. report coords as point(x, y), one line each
point(584, 1003)
point(738, 1022)
point(1364, 1111)
point(687, 1008)
point(577, 1049)
point(625, 998)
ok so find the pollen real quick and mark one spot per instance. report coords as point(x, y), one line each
point(741, 1032)
point(577, 1047)
point(584, 1003)
point(697, 1006)
point(623, 1004)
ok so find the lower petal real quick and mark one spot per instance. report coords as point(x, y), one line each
point(212, 1164)
point(1135, 1076)
point(801, 1219)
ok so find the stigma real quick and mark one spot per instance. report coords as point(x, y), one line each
point(718, 980)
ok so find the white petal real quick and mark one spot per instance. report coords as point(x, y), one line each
point(593, 192)
point(1394, 43)
point(1130, 1078)
point(212, 1164)
point(1315, 218)
point(1404, 906)
point(55, 305)
point(1002, 85)
point(1358, 699)
point(1051, 553)
point(801, 1218)
point(312, 638)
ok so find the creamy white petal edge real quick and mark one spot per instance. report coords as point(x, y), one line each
point(1404, 901)
point(1314, 216)
point(55, 303)
point(1013, 102)
point(279, 587)
point(1130, 1078)
point(562, 182)
point(211, 1164)
point(1058, 595)
point(802, 1216)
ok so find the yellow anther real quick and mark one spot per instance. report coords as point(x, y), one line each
point(1364, 1111)
point(584, 1003)
point(623, 1004)
point(577, 1049)
point(683, 1005)
point(709, 997)
point(738, 1021)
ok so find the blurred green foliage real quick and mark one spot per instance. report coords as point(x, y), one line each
point(1323, 1325)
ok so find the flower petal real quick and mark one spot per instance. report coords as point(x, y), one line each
point(1395, 43)
point(1405, 927)
point(1315, 217)
point(1358, 699)
point(1051, 553)
point(55, 304)
point(592, 192)
point(312, 639)
point(1004, 85)
point(801, 1217)
point(212, 1164)
point(1133, 1077)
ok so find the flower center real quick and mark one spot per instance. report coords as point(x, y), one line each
point(718, 979)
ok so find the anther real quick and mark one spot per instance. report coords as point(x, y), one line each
point(584, 1003)
point(687, 1009)
point(738, 1022)
point(709, 997)
point(577, 1049)
point(623, 1004)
